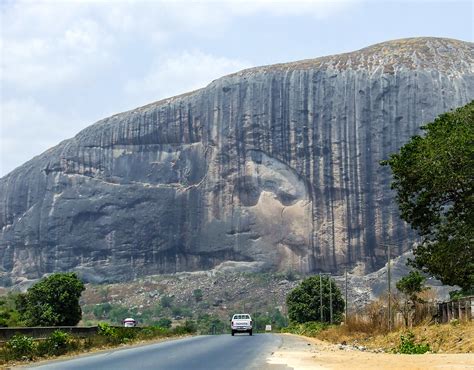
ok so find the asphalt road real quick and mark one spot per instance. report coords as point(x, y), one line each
point(202, 352)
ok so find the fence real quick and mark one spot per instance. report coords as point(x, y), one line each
point(461, 309)
point(43, 332)
point(376, 313)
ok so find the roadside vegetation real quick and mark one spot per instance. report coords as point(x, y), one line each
point(456, 337)
point(208, 300)
point(433, 176)
point(317, 298)
point(43, 305)
point(368, 329)
point(25, 348)
point(54, 301)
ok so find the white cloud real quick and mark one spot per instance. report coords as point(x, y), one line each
point(49, 44)
point(28, 128)
point(186, 71)
point(318, 9)
point(32, 62)
point(63, 62)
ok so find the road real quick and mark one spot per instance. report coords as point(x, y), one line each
point(259, 352)
point(202, 352)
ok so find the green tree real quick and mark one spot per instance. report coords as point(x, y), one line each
point(166, 301)
point(197, 294)
point(118, 313)
point(9, 315)
point(211, 324)
point(164, 322)
point(433, 177)
point(54, 301)
point(304, 301)
point(101, 310)
point(410, 286)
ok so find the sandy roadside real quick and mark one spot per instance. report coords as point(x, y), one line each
point(301, 353)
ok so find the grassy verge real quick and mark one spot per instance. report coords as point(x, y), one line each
point(21, 348)
point(438, 338)
point(308, 329)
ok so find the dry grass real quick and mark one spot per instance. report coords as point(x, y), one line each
point(442, 338)
point(370, 328)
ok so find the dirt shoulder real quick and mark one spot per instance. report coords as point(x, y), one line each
point(301, 353)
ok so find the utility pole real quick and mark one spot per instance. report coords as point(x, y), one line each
point(345, 273)
point(330, 300)
point(389, 290)
point(321, 297)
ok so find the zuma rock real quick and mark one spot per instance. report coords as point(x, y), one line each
point(271, 168)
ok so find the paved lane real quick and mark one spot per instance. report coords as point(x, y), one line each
point(202, 352)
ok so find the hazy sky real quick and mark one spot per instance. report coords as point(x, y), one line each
point(67, 64)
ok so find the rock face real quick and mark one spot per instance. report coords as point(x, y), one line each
point(271, 168)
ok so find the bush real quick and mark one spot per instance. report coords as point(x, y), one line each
point(164, 323)
point(105, 329)
point(58, 343)
point(197, 294)
point(189, 327)
point(207, 324)
point(153, 332)
point(9, 315)
point(108, 332)
point(116, 335)
point(458, 294)
point(291, 275)
point(101, 310)
point(274, 318)
point(166, 301)
point(309, 329)
point(21, 347)
point(177, 311)
point(118, 313)
point(409, 347)
point(125, 335)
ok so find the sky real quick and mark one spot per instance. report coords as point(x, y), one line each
point(66, 64)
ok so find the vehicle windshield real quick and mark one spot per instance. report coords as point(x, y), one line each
point(241, 317)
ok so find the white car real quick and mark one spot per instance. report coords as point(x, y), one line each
point(241, 322)
point(129, 322)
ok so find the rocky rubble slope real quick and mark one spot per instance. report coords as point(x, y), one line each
point(226, 292)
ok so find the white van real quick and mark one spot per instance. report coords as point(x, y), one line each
point(129, 323)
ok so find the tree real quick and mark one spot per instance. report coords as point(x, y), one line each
point(197, 293)
point(166, 301)
point(164, 322)
point(54, 301)
point(272, 317)
point(304, 301)
point(9, 315)
point(410, 286)
point(433, 177)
